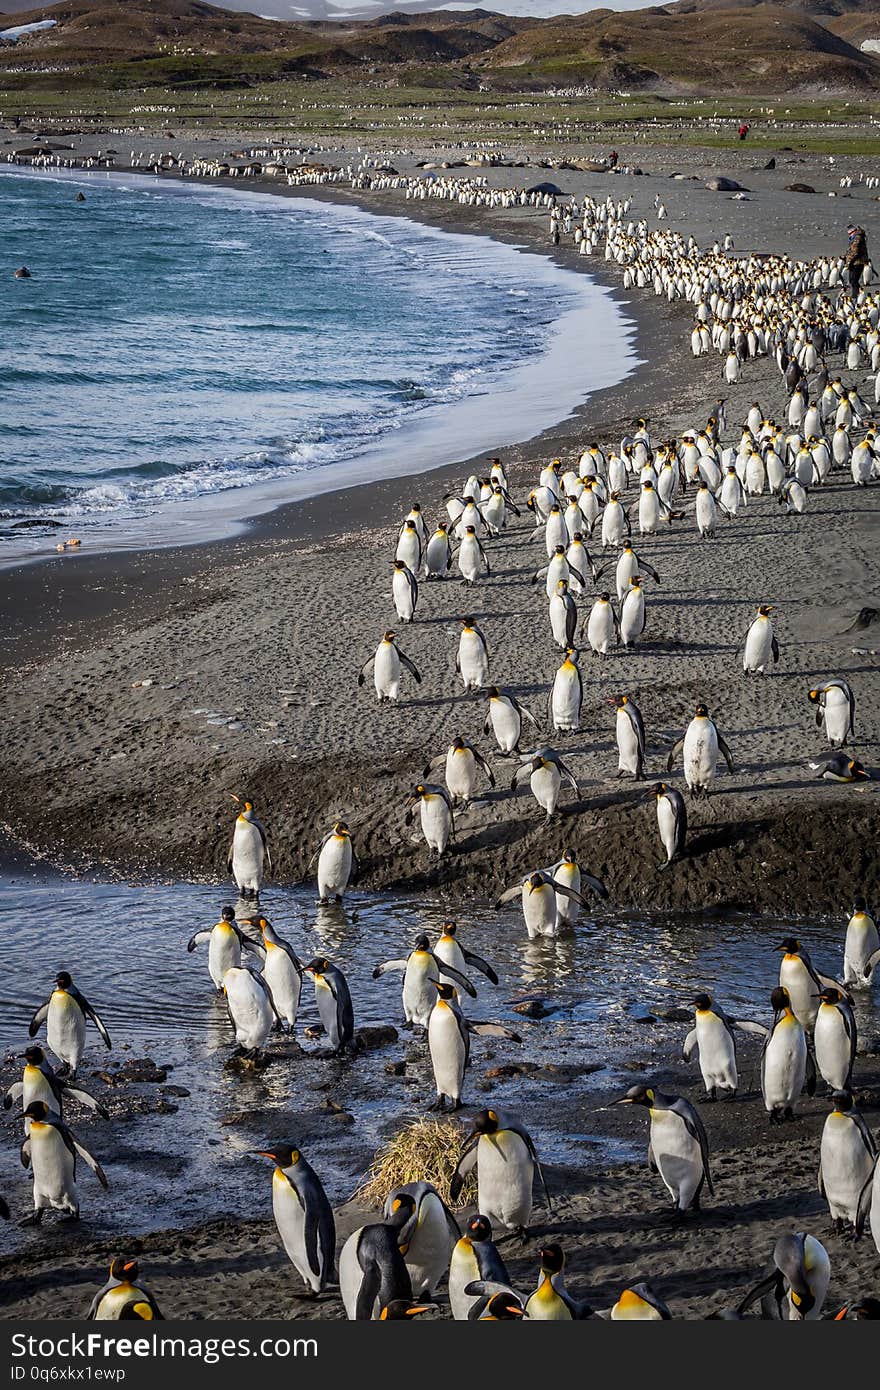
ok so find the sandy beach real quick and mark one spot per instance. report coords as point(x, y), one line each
point(116, 668)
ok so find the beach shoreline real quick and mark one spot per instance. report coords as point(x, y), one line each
point(142, 617)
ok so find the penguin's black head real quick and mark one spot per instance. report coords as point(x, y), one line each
point(578, 536)
point(479, 1228)
point(604, 598)
point(410, 524)
point(468, 621)
point(341, 827)
point(421, 943)
point(536, 880)
point(318, 966)
point(701, 711)
point(282, 1155)
point(34, 1055)
point(486, 1122)
point(400, 1308)
point(388, 635)
point(618, 701)
point(494, 692)
point(416, 507)
point(790, 945)
point(471, 530)
point(449, 929)
point(560, 549)
point(814, 696)
point(658, 789)
point(503, 1306)
point(37, 1110)
point(860, 904)
point(444, 990)
point(63, 980)
point(124, 1269)
point(638, 1095)
point(402, 1208)
point(779, 999)
point(569, 857)
point(841, 1101)
point(227, 914)
point(702, 1001)
point(552, 1258)
point(829, 995)
point(458, 742)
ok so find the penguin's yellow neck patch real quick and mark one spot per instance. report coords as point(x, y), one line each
point(630, 1301)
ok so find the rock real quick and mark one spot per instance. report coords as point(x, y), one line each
point(508, 1069)
point(164, 1107)
point(676, 1015)
point(342, 1117)
point(136, 1069)
point(375, 1036)
point(238, 1063)
point(179, 1091)
point(533, 1008)
point(722, 185)
point(395, 1068)
point(799, 188)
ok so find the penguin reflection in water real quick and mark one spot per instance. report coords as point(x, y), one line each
point(678, 1149)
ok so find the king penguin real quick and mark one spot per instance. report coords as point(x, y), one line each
point(372, 1268)
point(506, 1161)
point(303, 1215)
point(846, 1159)
point(65, 1013)
point(678, 1149)
point(124, 1297)
point(427, 1238)
point(50, 1151)
point(475, 1258)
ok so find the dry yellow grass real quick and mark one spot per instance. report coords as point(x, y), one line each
point(427, 1150)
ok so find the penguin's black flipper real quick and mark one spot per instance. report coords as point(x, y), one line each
point(362, 675)
point(725, 753)
point(198, 940)
point(774, 1285)
point(493, 1030)
point(4, 1209)
point(16, 1090)
point(649, 569)
point(84, 1098)
point(481, 762)
point(810, 1076)
point(508, 895)
point(483, 966)
point(774, 648)
point(465, 1163)
point(367, 1293)
point(451, 973)
point(410, 666)
point(89, 1158)
point(525, 714)
point(676, 749)
point(24, 1153)
point(39, 1018)
point(864, 1205)
point(90, 1013)
point(695, 1128)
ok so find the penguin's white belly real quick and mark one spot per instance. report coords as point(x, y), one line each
point(717, 1054)
point(612, 524)
point(836, 716)
point(437, 555)
point(291, 1222)
point(794, 977)
point(419, 994)
point(427, 1258)
point(632, 617)
point(832, 1048)
point(505, 725)
point(875, 1208)
point(66, 1028)
point(666, 825)
point(247, 856)
point(36, 1087)
point(545, 784)
point(464, 1269)
point(334, 867)
point(559, 621)
point(327, 1012)
point(785, 1064)
point(649, 513)
point(566, 702)
point(473, 662)
point(350, 1277)
point(600, 629)
point(251, 1012)
point(449, 952)
point(436, 824)
point(52, 1167)
point(504, 1179)
point(283, 979)
point(861, 942)
point(539, 911)
point(759, 641)
point(567, 909)
point(846, 1166)
point(402, 595)
point(446, 1047)
point(626, 568)
point(627, 744)
point(677, 1156)
point(408, 550)
point(386, 671)
point(461, 774)
point(470, 561)
point(224, 953)
point(700, 755)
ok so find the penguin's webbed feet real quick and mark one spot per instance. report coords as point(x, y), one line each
point(34, 1219)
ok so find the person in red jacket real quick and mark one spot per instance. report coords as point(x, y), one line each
point(743, 130)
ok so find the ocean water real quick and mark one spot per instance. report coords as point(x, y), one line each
point(184, 357)
point(126, 948)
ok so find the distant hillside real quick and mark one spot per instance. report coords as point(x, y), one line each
point(691, 46)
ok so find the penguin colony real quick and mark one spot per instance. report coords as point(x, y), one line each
point(593, 518)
